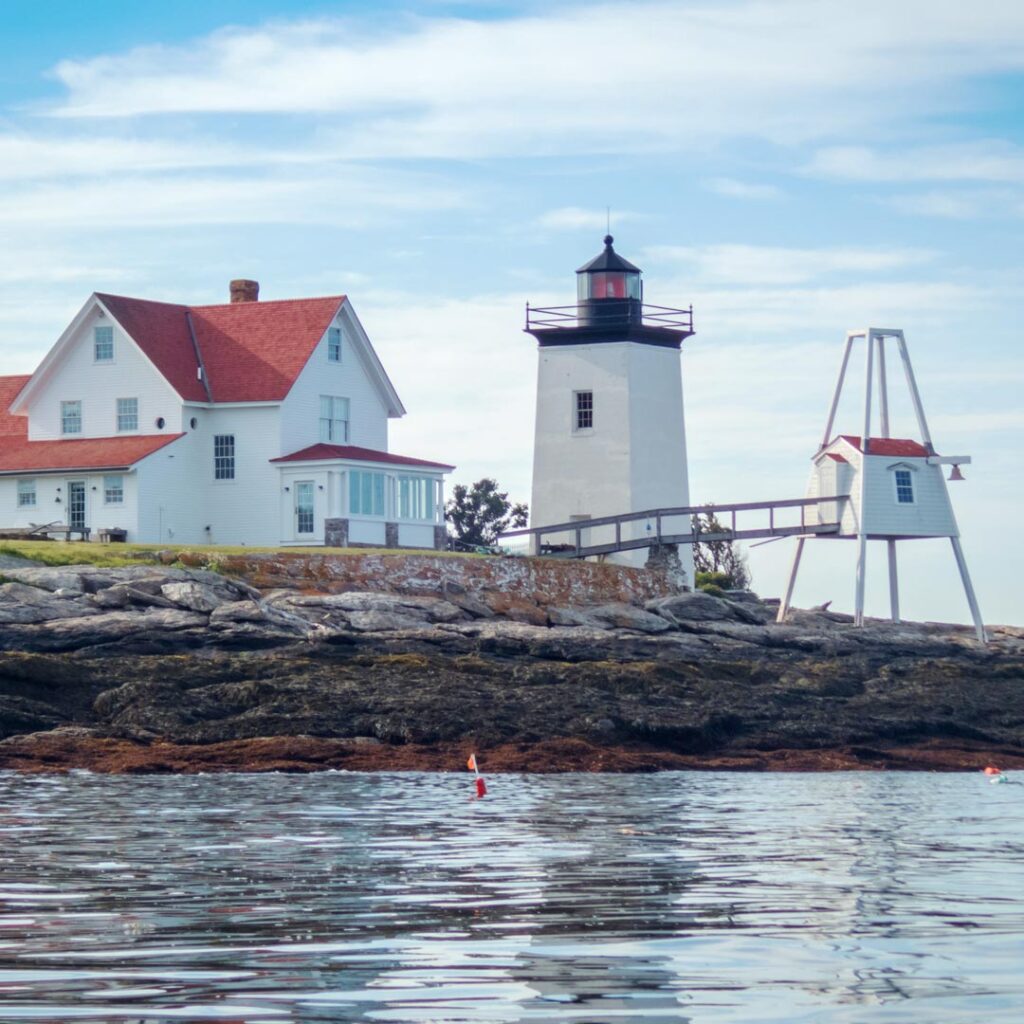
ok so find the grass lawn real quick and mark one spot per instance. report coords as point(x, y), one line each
point(108, 555)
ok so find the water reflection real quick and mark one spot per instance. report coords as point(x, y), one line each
point(676, 897)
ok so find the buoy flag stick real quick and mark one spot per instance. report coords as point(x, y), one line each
point(481, 786)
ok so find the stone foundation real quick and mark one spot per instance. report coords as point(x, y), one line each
point(336, 533)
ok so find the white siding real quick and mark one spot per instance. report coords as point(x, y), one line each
point(351, 379)
point(51, 487)
point(930, 514)
point(98, 386)
point(181, 497)
point(633, 458)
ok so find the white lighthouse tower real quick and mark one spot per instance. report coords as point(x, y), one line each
point(610, 437)
point(884, 487)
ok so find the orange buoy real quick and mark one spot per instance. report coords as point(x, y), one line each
point(991, 769)
point(481, 788)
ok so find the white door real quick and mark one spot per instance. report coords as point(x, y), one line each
point(304, 509)
point(76, 504)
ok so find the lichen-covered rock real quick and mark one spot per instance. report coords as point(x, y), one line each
point(197, 597)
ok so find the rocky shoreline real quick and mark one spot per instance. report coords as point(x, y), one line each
point(155, 668)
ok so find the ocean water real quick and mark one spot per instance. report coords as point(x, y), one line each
point(820, 898)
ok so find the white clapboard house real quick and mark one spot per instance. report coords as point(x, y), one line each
point(258, 423)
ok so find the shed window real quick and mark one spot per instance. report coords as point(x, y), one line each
point(103, 344)
point(71, 417)
point(127, 414)
point(26, 493)
point(904, 487)
point(583, 403)
point(366, 493)
point(224, 457)
point(113, 490)
point(334, 344)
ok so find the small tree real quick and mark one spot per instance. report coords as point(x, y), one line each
point(721, 563)
point(478, 514)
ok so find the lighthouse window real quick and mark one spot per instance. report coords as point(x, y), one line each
point(904, 487)
point(584, 402)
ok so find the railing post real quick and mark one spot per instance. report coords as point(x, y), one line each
point(771, 518)
point(618, 533)
point(657, 519)
point(578, 535)
point(734, 520)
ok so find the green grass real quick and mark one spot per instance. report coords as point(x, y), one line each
point(112, 555)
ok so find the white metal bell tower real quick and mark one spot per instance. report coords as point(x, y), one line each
point(884, 488)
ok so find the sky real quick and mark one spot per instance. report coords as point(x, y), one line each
point(793, 168)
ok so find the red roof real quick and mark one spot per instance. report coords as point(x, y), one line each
point(22, 455)
point(835, 457)
point(890, 446)
point(322, 452)
point(252, 351)
point(11, 426)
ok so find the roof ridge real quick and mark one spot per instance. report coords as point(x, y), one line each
point(272, 302)
point(136, 298)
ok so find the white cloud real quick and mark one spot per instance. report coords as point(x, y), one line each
point(28, 157)
point(572, 218)
point(734, 189)
point(751, 264)
point(350, 197)
point(992, 160)
point(660, 75)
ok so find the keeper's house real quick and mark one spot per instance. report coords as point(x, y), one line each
point(259, 423)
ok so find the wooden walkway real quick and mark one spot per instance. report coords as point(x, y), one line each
point(576, 539)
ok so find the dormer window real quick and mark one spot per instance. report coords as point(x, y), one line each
point(334, 344)
point(103, 344)
point(904, 481)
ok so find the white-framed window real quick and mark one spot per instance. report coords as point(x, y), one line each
point(333, 419)
point(27, 493)
point(583, 410)
point(365, 493)
point(71, 417)
point(903, 479)
point(334, 344)
point(113, 490)
point(127, 414)
point(224, 457)
point(103, 344)
point(416, 497)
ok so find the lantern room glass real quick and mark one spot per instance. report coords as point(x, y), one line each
point(607, 284)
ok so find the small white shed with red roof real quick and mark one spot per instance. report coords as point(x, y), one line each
point(255, 423)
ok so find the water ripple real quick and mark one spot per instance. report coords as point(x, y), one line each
point(339, 897)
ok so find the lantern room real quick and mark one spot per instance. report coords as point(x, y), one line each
point(608, 276)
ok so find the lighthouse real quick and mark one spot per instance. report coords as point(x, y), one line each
point(609, 436)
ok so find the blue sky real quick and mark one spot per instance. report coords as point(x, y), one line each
point(793, 169)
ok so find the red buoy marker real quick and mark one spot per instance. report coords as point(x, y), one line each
point(481, 786)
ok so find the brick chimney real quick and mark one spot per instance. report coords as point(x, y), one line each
point(245, 291)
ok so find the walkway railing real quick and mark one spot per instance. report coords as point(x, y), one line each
point(682, 525)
